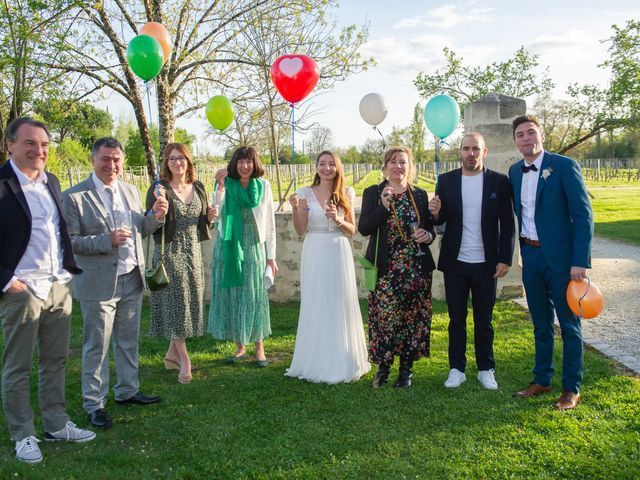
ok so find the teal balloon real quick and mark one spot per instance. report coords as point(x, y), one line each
point(219, 112)
point(145, 56)
point(442, 115)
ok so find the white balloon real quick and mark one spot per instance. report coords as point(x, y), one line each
point(373, 109)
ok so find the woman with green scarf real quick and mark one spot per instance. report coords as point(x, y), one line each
point(243, 253)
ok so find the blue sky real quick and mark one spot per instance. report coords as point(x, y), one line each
point(407, 36)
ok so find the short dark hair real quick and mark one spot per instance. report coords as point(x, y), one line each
point(108, 142)
point(523, 119)
point(249, 153)
point(11, 132)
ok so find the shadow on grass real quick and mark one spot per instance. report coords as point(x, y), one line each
point(239, 421)
point(623, 230)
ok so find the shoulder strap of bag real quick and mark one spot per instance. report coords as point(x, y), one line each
point(149, 246)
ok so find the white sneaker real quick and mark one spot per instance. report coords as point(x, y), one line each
point(486, 378)
point(28, 451)
point(70, 433)
point(456, 378)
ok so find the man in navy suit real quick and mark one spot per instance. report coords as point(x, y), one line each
point(476, 250)
point(556, 228)
point(36, 265)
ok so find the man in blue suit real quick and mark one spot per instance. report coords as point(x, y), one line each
point(556, 227)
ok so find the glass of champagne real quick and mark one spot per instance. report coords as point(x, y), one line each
point(122, 220)
point(414, 228)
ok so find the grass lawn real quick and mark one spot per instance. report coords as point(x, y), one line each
point(244, 422)
point(617, 214)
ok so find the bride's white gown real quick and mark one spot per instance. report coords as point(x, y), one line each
point(330, 343)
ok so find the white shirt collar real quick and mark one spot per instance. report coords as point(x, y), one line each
point(23, 179)
point(537, 162)
point(101, 185)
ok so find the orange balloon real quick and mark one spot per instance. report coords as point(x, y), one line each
point(159, 32)
point(586, 295)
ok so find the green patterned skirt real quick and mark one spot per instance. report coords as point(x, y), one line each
point(241, 313)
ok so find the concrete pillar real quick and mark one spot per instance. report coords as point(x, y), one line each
point(491, 116)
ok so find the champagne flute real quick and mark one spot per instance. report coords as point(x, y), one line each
point(122, 220)
point(414, 228)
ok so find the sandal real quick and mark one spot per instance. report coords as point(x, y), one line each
point(185, 378)
point(171, 364)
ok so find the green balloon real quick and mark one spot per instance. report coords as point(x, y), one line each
point(219, 112)
point(145, 56)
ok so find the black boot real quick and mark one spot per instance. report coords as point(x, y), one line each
point(404, 377)
point(382, 376)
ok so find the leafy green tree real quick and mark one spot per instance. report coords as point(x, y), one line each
point(416, 135)
point(29, 35)
point(515, 77)
point(135, 152)
point(372, 151)
point(624, 61)
point(397, 137)
point(80, 121)
point(349, 155)
point(72, 153)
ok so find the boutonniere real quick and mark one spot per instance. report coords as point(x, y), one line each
point(546, 173)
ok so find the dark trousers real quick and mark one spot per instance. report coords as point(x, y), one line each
point(458, 282)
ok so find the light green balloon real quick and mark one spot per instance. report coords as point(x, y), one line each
point(219, 112)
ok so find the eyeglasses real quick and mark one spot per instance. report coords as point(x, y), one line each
point(177, 159)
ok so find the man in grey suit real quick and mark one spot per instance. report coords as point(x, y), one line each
point(36, 265)
point(106, 224)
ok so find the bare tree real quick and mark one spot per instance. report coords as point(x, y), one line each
point(321, 139)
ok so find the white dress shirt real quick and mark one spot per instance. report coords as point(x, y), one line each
point(114, 200)
point(528, 190)
point(41, 263)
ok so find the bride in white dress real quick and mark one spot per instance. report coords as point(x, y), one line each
point(330, 343)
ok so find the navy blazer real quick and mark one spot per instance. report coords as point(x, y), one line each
point(373, 219)
point(563, 217)
point(497, 223)
point(15, 224)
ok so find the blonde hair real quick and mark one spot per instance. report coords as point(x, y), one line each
point(392, 152)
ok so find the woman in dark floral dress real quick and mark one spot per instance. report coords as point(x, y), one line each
point(395, 216)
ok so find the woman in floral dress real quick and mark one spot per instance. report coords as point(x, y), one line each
point(396, 218)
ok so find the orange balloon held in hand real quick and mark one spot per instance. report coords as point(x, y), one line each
point(159, 32)
point(584, 298)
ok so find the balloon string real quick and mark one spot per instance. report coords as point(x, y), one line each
point(582, 297)
point(293, 145)
point(155, 163)
point(384, 144)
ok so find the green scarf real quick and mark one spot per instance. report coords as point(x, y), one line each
point(237, 198)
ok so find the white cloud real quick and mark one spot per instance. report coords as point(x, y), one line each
point(448, 16)
point(407, 56)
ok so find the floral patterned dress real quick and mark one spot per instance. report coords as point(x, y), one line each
point(400, 308)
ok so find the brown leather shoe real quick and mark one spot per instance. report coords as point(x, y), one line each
point(531, 391)
point(568, 400)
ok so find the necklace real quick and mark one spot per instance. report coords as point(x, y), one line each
point(396, 220)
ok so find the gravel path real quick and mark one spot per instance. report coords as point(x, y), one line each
point(616, 331)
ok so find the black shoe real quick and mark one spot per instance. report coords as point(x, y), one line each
point(382, 376)
point(404, 377)
point(100, 419)
point(140, 399)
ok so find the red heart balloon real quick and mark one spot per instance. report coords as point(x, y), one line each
point(294, 76)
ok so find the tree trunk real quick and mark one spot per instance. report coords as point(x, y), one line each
point(166, 119)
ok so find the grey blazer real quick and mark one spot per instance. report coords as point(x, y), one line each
point(90, 231)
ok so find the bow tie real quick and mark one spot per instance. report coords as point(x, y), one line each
point(526, 168)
